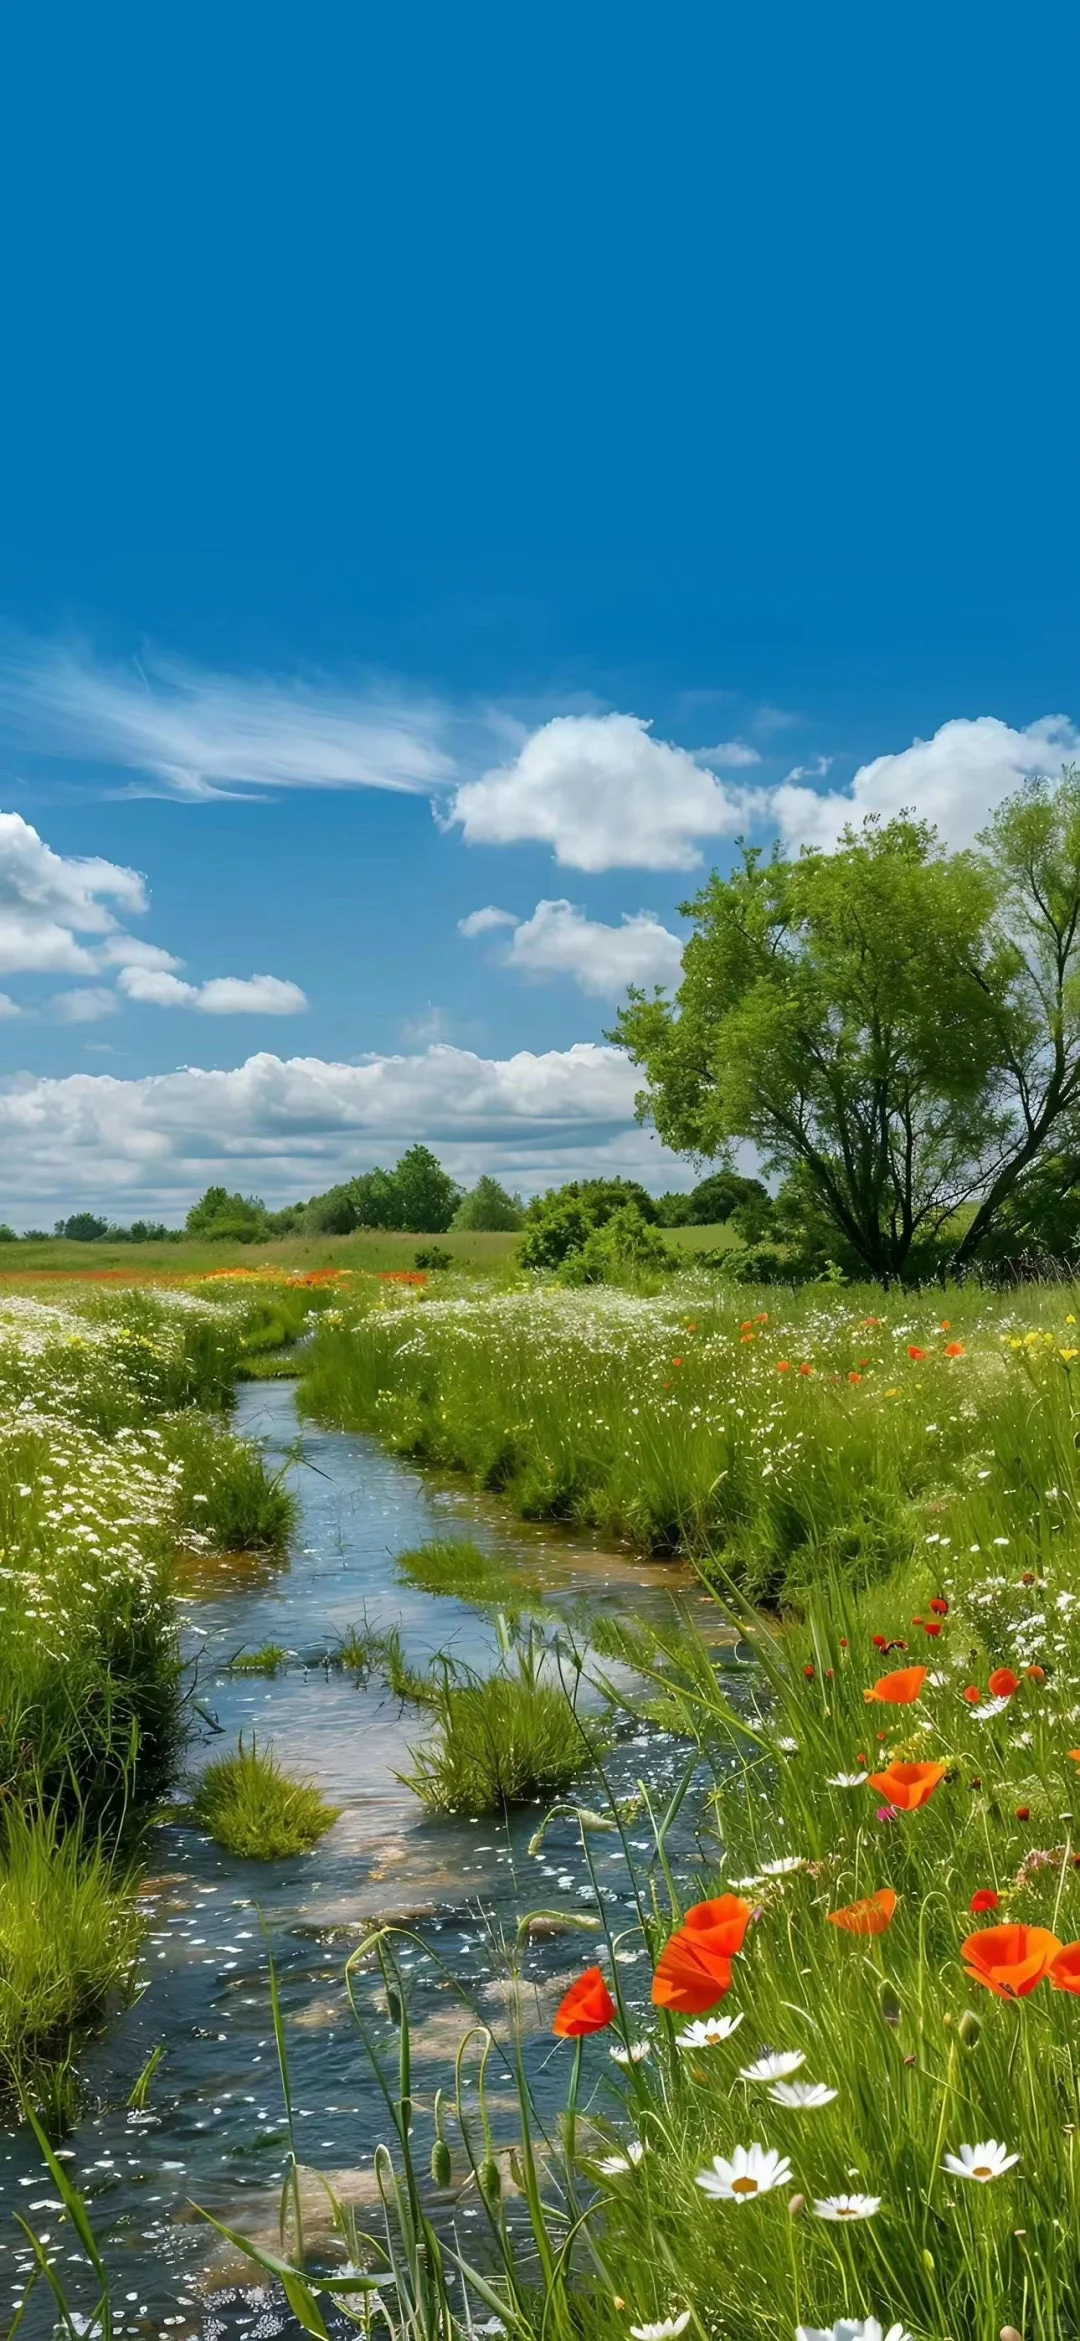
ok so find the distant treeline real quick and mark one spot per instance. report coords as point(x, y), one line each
point(416, 1197)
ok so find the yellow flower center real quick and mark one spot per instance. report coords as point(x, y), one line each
point(744, 2186)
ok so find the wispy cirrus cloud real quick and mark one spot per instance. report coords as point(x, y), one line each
point(185, 731)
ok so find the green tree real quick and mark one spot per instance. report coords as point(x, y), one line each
point(219, 1217)
point(488, 1209)
point(83, 1227)
point(427, 1195)
point(856, 1015)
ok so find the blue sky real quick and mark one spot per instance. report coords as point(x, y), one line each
point(398, 405)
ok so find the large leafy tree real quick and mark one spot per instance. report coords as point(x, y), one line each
point(898, 1025)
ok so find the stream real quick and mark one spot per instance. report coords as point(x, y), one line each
point(213, 2130)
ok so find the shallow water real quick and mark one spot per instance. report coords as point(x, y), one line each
point(214, 2131)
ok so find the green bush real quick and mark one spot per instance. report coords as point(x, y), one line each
point(252, 1808)
point(624, 1249)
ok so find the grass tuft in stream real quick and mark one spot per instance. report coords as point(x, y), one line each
point(499, 1740)
point(255, 1810)
point(229, 1499)
point(456, 1566)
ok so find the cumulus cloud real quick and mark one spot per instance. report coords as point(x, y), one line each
point(221, 995)
point(48, 901)
point(193, 733)
point(954, 780)
point(87, 1004)
point(482, 922)
point(603, 794)
point(559, 940)
point(292, 1126)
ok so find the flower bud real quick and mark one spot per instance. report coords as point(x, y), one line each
point(441, 2165)
point(928, 2261)
point(393, 2004)
point(796, 2203)
point(969, 2028)
point(1009, 2333)
point(489, 2178)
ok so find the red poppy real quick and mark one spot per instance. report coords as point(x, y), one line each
point(870, 1917)
point(899, 1689)
point(908, 1786)
point(985, 1899)
point(809, 1673)
point(914, 1351)
point(954, 1349)
point(676, 1361)
point(854, 1377)
point(1003, 1682)
point(1035, 1674)
point(718, 1926)
point(973, 1695)
point(1065, 1969)
point(587, 2007)
point(1023, 1812)
point(783, 1365)
point(931, 1626)
point(1010, 1960)
point(693, 1971)
point(806, 1369)
point(940, 1608)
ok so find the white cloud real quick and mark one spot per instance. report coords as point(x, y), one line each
point(603, 794)
point(560, 940)
point(129, 951)
point(481, 922)
point(86, 1005)
point(221, 995)
point(736, 754)
point(954, 779)
point(292, 1126)
point(48, 901)
point(197, 734)
point(8, 1007)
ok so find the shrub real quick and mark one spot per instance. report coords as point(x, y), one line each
point(622, 1250)
point(219, 1217)
point(433, 1258)
point(253, 1808)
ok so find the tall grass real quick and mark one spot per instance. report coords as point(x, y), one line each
point(784, 1438)
point(69, 1937)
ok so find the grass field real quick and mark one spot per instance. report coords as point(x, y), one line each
point(369, 1251)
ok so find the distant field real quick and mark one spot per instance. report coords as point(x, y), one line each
point(370, 1250)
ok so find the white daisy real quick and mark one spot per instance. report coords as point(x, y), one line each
point(664, 2331)
point(707, 2031)
point(750, 2171)
point(848, 1779)
point(851, 2329)
point(613, 2164)
point(845, 2207)
point(989, 1707)
point(743, 1885)
point(634, 2055)
point(805, 2096)
point(981, 2162)
point(783, 1867)
point(775, 2065)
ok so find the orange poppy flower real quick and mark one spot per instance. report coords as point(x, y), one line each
point(870, 1917)
point(587, 2007)
point(687, 1981)
point(1003, 1682)
point(718, 1927)
point(954, 1349)
point(1010, 1960)
point(908, 1786)
point(1035, 1674)
point(914, 1351)
point(899, 1689)
point(985, 1899)
point(783, 1365)
point(973, 1695)
point(1065, 1969)
point(694, 1968)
